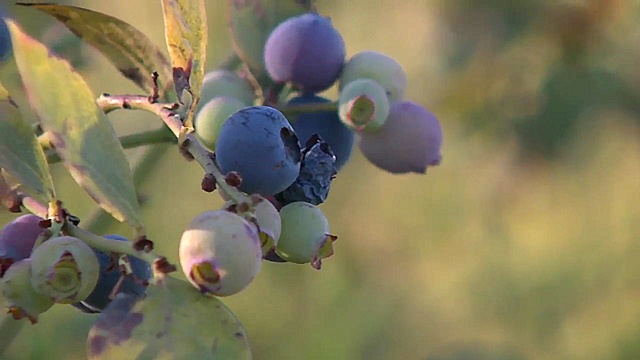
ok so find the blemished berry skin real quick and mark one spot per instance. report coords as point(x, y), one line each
point(211, 117)
point(261, 146)
point(409, 142)
point(65, 269)
point(363, 105)
point(305, 235)
point(379, 67)
point(225, 83)
point(109, 276)
point(326, 124)
point(220, 253)
point(307, 51)
point(316, 173)
point(21, 298)
point(18, 237)
point(5, 36)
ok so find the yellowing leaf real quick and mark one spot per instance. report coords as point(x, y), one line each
point(80, 132)
point(174, 321)
point(126, 47)
point(185, 24)
point(20, 153)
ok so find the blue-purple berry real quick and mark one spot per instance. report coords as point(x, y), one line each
point(409, 141)
point(261, 146)
point(110, 274)
point(307, 51)
point(328, 125)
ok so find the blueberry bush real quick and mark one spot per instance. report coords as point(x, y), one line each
point(267, 143)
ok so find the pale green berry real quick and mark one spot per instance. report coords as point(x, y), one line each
point(21, 298)
point(226, 83)
point(267, 218)
point(212, 116)
point(305, 236)
point(220, 253)
point(65, 269)
point(363, 105)
point(377, 66)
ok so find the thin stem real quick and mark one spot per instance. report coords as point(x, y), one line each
point(166, 112)
point(103, 244)
point(95, 241)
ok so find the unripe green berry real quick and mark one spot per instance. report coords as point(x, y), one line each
point(212, 116)
point(65, 269)
point(226, 83)
point(305, 235)
point(22, 299)
point(363, 105)
point(220, 253)
point(268, 220)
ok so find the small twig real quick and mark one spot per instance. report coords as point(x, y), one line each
point(98, 242)
point(173, 121)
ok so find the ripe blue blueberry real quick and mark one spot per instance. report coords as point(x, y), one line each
point(110, 274)
point(327, 125)
point(307, 51)
point(5, 36)
point(261, 146)
point(409, 141)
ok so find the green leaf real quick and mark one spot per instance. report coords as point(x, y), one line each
point(79, 131)
point(185, 24)
point(251, 22)
point(174, 321)
point(126, 47)
point(20, 153)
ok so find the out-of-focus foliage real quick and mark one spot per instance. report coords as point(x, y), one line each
point(523, 244)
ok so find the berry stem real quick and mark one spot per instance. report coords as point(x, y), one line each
point(174, 123)
point(95, 241)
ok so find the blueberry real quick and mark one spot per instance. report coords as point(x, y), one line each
point(133, 284)
point(211, 117)
point(261, 146)
point(21, 298)
point(363, 105)
point(307, 51)
point(379, 67)
point(327, 125)
point(65, 269)
point(305, 235)
point(409, 141)
point(220, 253)
point(225, 83)
point(316, 173)
point(5, 36)
point(17, 239)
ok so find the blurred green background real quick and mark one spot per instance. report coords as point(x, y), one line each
point(523, 244)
